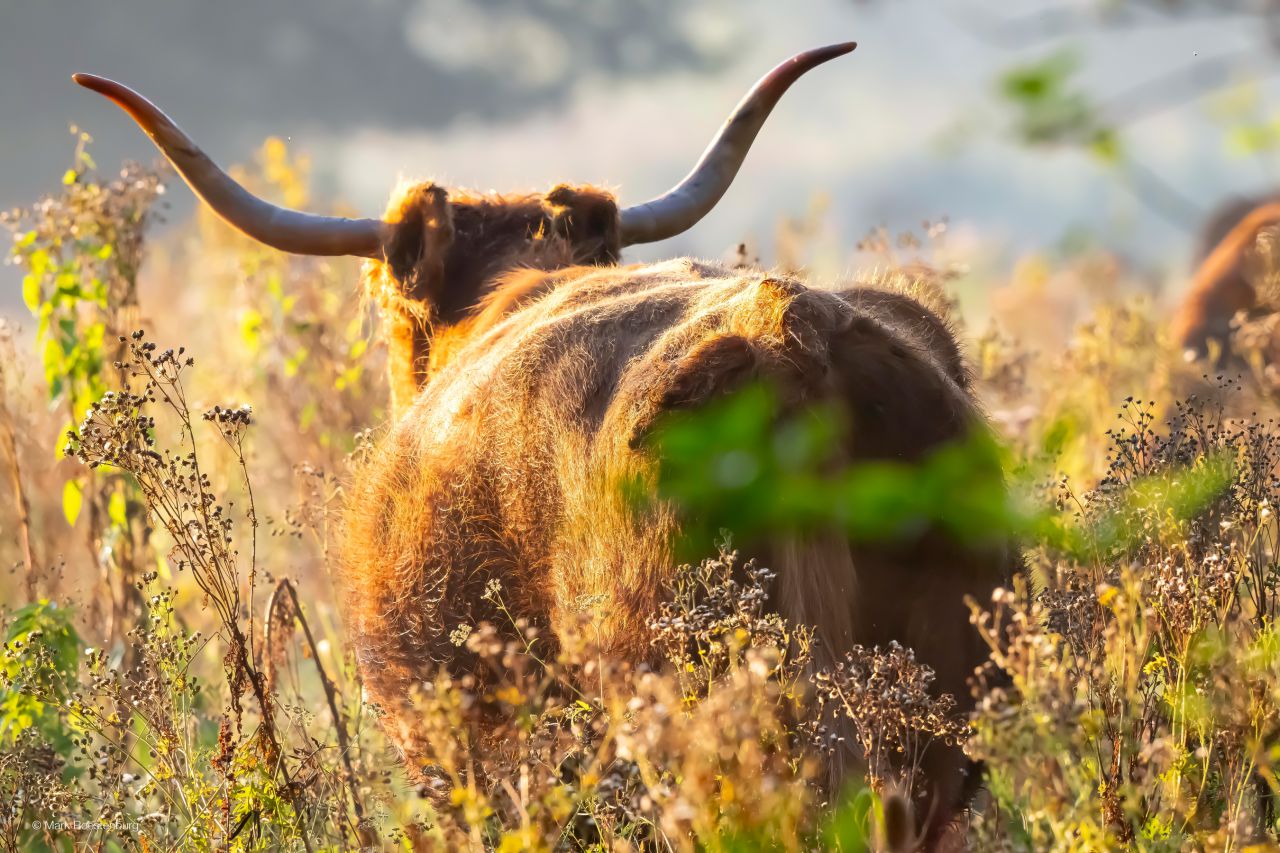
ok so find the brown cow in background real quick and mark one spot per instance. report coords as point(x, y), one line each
point(1225, 282)
point(527, 364)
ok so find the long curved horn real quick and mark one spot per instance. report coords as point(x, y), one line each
point(680, 208)
point(279, 227)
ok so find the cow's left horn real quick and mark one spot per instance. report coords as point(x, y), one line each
point(279, 227)
point(693, 198)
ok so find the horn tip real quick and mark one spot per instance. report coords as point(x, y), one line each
point(819, 55)
point(832, 51)
point(105, 86)
point(91, 81)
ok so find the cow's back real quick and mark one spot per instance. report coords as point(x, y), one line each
point(506, 466)
point(507, 469)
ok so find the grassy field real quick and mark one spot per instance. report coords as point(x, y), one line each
point(174, 669)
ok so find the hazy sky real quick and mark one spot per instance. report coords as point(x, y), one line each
point(510, 95)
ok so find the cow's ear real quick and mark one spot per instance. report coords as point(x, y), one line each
point(587, 219)
point(421, 235)
point(716, 366)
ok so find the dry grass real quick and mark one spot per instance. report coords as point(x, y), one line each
point(174, 675)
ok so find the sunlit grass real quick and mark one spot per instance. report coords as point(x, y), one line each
point(164, 688)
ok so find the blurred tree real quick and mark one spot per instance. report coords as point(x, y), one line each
point(327, 65)
point(418, 62)
point(1053, 105)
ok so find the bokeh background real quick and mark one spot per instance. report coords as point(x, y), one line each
point(916, 125)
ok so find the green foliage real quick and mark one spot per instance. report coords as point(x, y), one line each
point(1168, 499)
point(851, 825)
point(1052, 104)
point(72, 500)
point(82, 249)
point(41, 661)
point(300, 330)
point(739, 464)
point(1050, 108)
point(1142, 661)
point(1248, 121)
point(81, 253)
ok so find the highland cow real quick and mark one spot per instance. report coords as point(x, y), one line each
point(1224, 284)
point(527, 368)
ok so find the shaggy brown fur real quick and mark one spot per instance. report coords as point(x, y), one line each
point(449, 251)
point(1222, 285)
point(542, 377)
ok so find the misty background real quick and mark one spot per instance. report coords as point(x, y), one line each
point(520, 95)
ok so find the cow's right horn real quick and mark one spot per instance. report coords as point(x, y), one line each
point(680, 208)
point(279, 227)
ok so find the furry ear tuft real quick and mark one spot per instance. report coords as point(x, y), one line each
point(587, 219)
point(421, 235)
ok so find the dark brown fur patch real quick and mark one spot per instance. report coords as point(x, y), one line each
point(450, 251)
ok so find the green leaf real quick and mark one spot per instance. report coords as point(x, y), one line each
point(61, 444)
point(251, 329)
point(116, 510)
point(1106, 146)
point(94, 336)
point(849, 827)
point(52, 359)
point(38, 262)
point(294, 362)
point(1061, 431)
point(44, 655)
point(72, 499)
point(31, 292)
point(307, 416)
point(347, 378)
point(1039, 82)
point(1050, 108)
